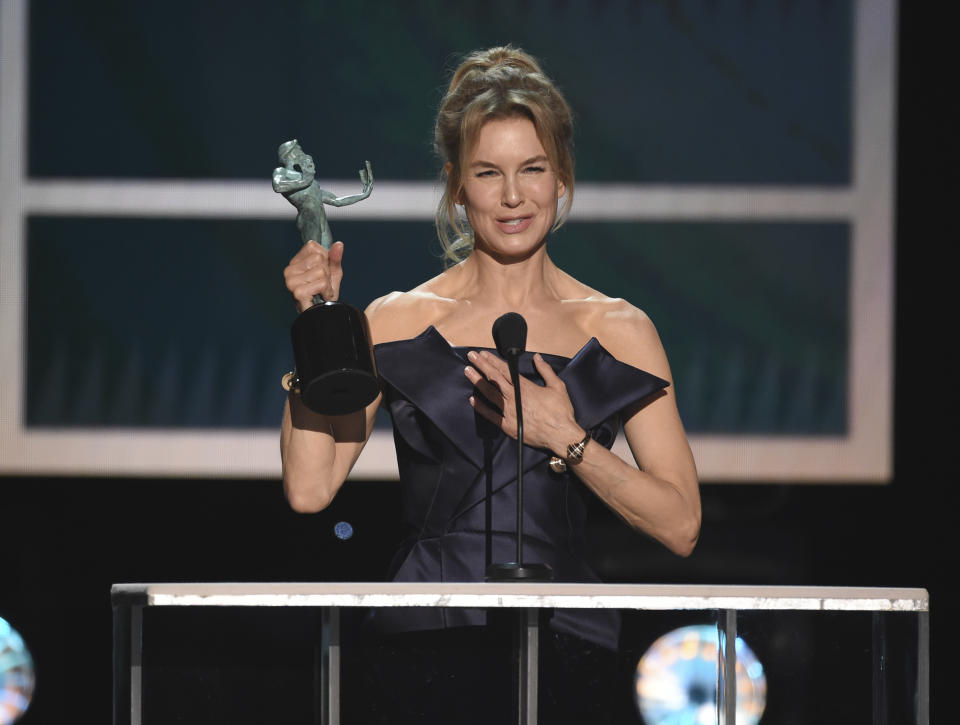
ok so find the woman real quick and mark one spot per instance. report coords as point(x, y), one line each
point(505, 134)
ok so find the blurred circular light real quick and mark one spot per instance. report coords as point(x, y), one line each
point(17, 678)
point(343, 530)
point(676, 680)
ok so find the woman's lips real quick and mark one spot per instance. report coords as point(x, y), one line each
point(514, 225)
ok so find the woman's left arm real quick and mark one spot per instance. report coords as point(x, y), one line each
point(662, 497)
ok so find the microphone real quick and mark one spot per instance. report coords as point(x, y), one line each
point(510, 337)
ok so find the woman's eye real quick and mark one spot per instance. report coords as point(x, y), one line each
point(488, 172)
point(535, 169)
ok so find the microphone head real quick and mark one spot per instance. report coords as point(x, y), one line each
point(510, 335)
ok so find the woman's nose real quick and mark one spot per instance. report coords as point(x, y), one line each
point(511, 194)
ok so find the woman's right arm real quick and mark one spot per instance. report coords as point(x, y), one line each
point(317, 450)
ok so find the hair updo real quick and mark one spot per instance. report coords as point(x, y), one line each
point(493, 84)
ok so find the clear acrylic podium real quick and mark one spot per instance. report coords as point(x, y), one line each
point(761, 610)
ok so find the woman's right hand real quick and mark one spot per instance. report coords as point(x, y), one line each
point(314, 271)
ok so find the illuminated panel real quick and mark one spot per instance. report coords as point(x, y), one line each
point(136, 349)
point(722, 124)
point(664, 93)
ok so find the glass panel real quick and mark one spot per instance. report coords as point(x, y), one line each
point(818, 665)
point(238, 665)
point(251, 665)
point(896, 667)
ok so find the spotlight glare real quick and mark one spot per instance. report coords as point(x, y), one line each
point(676, 679)
point(17, 677)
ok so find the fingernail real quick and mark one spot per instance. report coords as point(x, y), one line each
point(472, 355)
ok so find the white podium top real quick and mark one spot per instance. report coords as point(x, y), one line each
point(536, 595)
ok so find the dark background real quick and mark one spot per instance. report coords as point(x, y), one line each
point(66, 539)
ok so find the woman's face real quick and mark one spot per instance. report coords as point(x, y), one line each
point(510, 189)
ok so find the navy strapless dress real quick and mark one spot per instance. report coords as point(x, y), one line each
point(458, 475)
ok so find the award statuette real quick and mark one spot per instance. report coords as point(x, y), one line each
point(335, 372)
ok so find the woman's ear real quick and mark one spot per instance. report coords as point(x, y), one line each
point(458, 194)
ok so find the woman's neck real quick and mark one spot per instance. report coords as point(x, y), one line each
point(514, 283)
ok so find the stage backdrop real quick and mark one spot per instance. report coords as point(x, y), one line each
point(734, 167)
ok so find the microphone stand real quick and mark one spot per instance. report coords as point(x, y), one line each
point(510, 334)
point(511, 350)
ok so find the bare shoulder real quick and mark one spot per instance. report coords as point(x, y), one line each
point(628, 334)
point(402, 315)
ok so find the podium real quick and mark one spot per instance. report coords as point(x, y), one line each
point(731, 607)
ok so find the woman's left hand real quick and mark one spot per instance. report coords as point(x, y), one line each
point(548, 416)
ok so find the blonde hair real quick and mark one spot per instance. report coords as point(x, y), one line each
point(492, 84)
